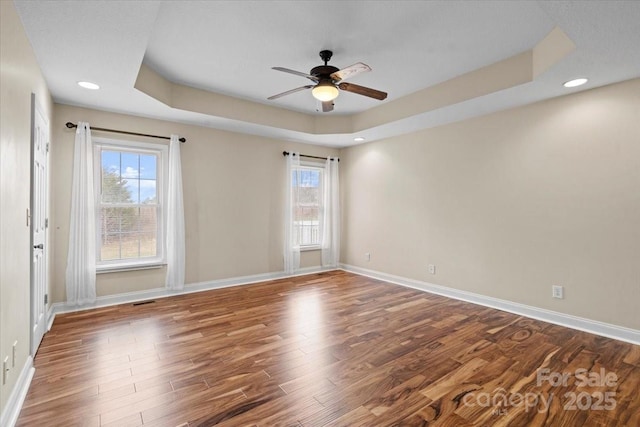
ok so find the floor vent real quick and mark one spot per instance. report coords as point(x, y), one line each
point(144, 302)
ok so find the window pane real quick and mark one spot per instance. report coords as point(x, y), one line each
point(110, 220)
point(309, 178)
point(110, 249)
point(128, 233)
point(307, 197)
point(148, 166)
point(131, 232)
point(148, 245)
point(148, 220)
point(148, 193)
point(133, 187)
point(130, 245)
point(130, 165)
point(114, 190)
point(111, 161)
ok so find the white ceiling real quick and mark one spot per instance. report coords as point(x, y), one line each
point(229, 47)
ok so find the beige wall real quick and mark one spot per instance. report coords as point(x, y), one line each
point(509, 204)
point(20, 77)
point(233, 196)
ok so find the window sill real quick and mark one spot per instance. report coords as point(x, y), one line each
point(310, 248)
point(124, 267)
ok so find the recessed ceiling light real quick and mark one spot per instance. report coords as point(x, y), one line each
point(576, 82)
point(358, 139)
point(89, 85)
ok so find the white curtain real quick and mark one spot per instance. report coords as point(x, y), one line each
point(81, 258)
point(291, 248)
point(175, 234)
point(331, 217)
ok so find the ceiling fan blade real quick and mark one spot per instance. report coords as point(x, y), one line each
point(289, 92)
point(361, 90)
point(297, 73)
point(327, 106)
point(350, 71)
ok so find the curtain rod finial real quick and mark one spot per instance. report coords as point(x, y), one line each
point(70, 125)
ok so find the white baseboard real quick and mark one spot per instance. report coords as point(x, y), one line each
point(16, 398)
point(587, 325)
point(130, 297)
point(50, 316)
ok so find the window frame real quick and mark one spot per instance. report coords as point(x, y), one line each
point(321, 167)
point(162, 167)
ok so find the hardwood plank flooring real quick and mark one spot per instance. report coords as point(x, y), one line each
point(332, 349)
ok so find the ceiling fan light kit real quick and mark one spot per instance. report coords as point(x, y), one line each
point(325, 91)
point(329, 82)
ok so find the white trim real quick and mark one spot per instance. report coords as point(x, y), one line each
point(161, 151)
point(18, 394)
point(129, 267)
point(129, 297)
point(574, 322)
point(50, 316)
point(313, 163)
point(131, 145)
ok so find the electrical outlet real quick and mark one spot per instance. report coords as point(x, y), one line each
point(367, 256)
point(557, 291)
point(432, 269)
point(13, 354)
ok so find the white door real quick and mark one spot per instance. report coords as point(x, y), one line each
point(39, 223)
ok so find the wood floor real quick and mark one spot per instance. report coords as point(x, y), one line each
point(327, 349)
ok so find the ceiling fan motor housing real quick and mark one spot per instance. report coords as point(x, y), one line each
point(323, 71)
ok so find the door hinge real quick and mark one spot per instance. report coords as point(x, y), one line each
point(47, 147)
point(46, 298)
point(46, 223)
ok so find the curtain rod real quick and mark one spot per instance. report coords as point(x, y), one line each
point(72, 125)
point(286, 153)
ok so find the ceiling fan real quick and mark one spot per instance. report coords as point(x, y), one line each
point(328, 79)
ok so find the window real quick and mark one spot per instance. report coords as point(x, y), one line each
point(307, 199)
point(129, 204)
